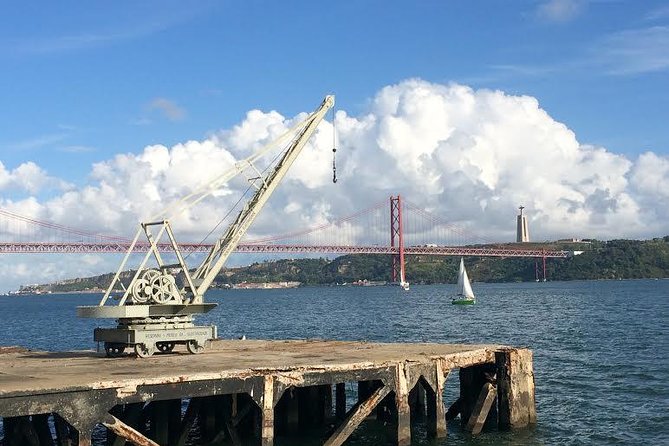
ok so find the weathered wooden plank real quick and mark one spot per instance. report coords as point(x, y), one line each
point(481, 408)
point(243, 412)
point(340, 401)
point(442, 376)
point(267, 409)
point(131, 416)
point(124, 431)
point(234, 435)
point(356, 416)
point(191, 414)
point(402, 406)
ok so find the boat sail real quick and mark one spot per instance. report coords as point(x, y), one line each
point(465, 295)
point(403, 283)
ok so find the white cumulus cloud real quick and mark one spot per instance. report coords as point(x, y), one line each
point(28, 177)
point(469, 156)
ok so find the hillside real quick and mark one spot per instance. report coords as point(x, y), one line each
point(615, 259)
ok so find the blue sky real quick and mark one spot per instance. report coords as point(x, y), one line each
point(468, 108)
point(82, 81)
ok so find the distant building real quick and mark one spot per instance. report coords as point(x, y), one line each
point(522, 233)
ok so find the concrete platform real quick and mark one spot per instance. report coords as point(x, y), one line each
point(45, 372)
point(85, 388)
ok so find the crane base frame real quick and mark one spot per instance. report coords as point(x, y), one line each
point(147, 340)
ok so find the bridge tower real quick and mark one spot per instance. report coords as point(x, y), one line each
point(397, 240)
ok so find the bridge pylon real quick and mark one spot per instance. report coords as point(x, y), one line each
point(397, 241)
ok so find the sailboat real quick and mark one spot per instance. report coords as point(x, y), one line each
point(403, 283)
point(465, 295)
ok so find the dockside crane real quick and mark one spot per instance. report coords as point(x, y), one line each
point(155, 311)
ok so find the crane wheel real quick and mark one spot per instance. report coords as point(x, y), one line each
point(194, 347)
point(143, 351)
point(114, 349)
point(165, 347)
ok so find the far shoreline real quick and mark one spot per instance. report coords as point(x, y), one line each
point(260, 288)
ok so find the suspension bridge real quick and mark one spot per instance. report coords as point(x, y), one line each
point(396, 227)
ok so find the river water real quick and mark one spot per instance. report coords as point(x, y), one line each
point(601, 349)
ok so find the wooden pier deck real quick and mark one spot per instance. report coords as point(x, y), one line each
point(247, 391)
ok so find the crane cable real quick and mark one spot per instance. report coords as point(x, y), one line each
point(334, 146)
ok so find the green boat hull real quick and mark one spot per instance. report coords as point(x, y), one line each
point(463, 301)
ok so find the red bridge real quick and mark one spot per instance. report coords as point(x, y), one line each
point(429, 235)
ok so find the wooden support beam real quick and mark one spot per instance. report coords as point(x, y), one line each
point(292, 411)
point(131, 416)
point(436, 412)
point(402, 406)
point(191, 414)
point(481, 408)
point(326, 400)
point(515, 388)
point(356, 416)
point(62, 431)
point(235, 404)
point(124, 431)
point(218, 438)
point(267, 412)
point(173, 419)
point(241, 414)
point(232, 432)
point(208, 419)
point(41, 424)
point(472, 380)
point(307, 406)
point(363, 391)
point(159, 431)
point(340, 401)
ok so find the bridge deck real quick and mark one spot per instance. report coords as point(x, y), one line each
point(122, 247)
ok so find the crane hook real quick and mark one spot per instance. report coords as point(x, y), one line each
point(334, 165)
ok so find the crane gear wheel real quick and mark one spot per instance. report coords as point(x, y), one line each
point(140, 292)
point(150, 274)
point(163, 289)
